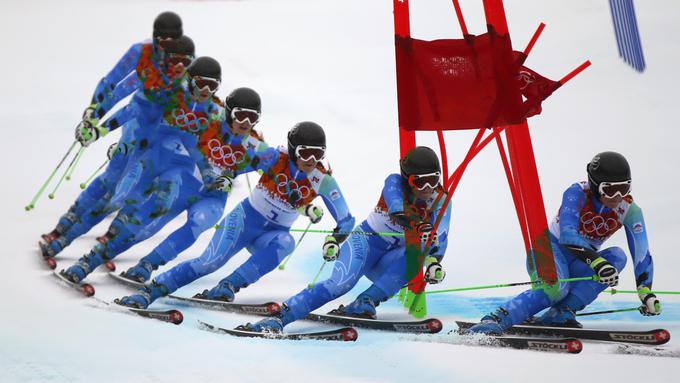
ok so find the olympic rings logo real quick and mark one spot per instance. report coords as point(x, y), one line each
point(189, 121)
point(290, 187)
point(224, 153)
point(597, 224)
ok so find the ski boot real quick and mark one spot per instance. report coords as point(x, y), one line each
point(494, 323)
point(140, 272)
point(272, 324)
point(556, 317)
point(85, 265)
point(51, 236)
point(145, 296)
point(362, 307)
point(226, 290)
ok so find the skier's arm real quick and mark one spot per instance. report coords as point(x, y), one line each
point(120, 117)
point(124, 88)
point(438, 251)
point(337, 205)
point(573, 201)
point(636, 234)
point(123, 67)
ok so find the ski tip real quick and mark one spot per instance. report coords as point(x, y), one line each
point(51, 263)
point(435, 325)
point(574, 346)
point(273, 308)
point(110, 266)
point(88, 290)
point(662, 336)
point(349, 334)
point(176, 317)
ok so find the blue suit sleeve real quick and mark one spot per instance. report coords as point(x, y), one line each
point(393, 193)
point(337, 206)
point(124, 88)
point(122, 116)
point(442, 233)
point(636, 233)
point(123, 67)
point(573, 201)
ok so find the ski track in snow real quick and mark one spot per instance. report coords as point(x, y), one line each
point(331, 62)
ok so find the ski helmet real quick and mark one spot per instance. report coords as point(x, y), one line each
point(184, 45)
point(420, 160)
point(306, 133)
point(204, 71)
point(167, 24)
point(243, 98)
point(607, 167)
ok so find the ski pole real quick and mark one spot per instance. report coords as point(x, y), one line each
point(615, 291)
point(508, 285)
point(283, 264)
point(73, 167)
point(83, 185)
point(607, 312)
point(309, 286)
point(31, 204)
point(51, 195)
point(250, 190)
point(358, 232)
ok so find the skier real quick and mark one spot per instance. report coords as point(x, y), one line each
point(232, 149)
point(94, 204)
point(411, 199)
point(591, 212)
point(291, 180)
point(168, 176)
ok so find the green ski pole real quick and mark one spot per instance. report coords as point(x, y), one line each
point(606, 312)
point(83, 185)
point(51, 195)
point(78, 156)
point(309, 286)
point(31, 204)
point(283, 264)
point(507, 285)
point(615, 291)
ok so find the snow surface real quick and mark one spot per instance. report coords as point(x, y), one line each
point(330, 62)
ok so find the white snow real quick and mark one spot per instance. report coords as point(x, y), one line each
point(330, 62)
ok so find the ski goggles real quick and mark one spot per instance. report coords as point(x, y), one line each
point(306, 153)
point(203, 83)
point(242, 115)
point(164, 42)
point(612, 189)
point(423, 181)
point(173, 59)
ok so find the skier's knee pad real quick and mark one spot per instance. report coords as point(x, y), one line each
point(616, 256)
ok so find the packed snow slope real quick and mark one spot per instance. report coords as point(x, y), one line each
point(331, 62)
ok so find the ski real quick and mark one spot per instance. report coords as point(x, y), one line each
point(262, 309)
point(563, 345)
point(345, 334)
point(84, 288)
point(651, 337)
point(170, 316)
point(120, 278)
point(427, 326)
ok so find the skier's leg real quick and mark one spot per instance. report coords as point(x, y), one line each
point(528, 303)
point(582, 293)
point(268, 250)
point(201, 216)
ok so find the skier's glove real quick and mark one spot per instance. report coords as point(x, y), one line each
point(222, 183)
point(90, 114)
point(606, 273)
point(314, 213)
point(331, 249)
point(87, 133)
point(650, 303)
point(425, 231)
point(434, 273)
